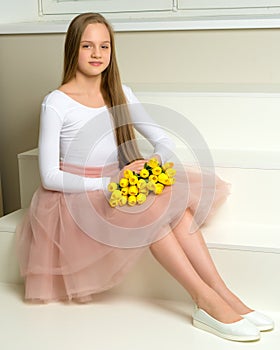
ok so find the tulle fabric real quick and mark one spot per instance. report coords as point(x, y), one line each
point(73, 245)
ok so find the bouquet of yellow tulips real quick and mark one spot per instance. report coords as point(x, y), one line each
point(134, 188)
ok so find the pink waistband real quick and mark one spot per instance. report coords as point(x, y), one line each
point(107, 170)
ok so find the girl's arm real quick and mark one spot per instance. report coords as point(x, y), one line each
point(146, 126)
point(52, 177)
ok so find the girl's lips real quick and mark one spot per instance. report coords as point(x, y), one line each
point(95, 64)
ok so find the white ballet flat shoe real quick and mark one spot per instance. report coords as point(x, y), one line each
point(261, 321)
point(242, 330)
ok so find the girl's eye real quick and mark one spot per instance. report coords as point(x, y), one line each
point(90, 46)
point(86, 46)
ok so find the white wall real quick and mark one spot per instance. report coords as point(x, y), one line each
point(18, 10)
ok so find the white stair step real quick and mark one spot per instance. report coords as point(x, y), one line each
point(246, 269)
point(110, 323)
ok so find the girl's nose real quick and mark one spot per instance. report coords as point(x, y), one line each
point(96, 53)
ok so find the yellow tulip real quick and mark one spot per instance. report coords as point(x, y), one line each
point(112, 186)
point(170, 172)
point(141, 184)
point(131, 200)
point(144, 173)
point(124, 191)
point(153, 162)
point(170, 181)
point(133, 180)
point(145, 191)
point(123, 182)
point(122, 201)
point(116, 194)
point(168, 165)
point(153, 178)
point(133, 190)
point(113, 202)
point(159, 188)
point(151, 186)
point(157, 170)
point(141, 198)
point(127, 173)
point(163, 178)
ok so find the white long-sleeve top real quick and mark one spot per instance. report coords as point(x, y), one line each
point(75, 134)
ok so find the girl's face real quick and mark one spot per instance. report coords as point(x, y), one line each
point(95, 50)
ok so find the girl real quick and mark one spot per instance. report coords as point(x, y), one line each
point(72, 244)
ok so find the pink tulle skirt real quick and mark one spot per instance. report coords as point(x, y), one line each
point(73, 245)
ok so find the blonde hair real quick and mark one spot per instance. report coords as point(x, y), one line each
point(111, 86)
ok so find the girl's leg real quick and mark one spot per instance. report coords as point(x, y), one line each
point(172, 257)
point(197, 252)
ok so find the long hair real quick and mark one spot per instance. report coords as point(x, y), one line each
point(111, 87)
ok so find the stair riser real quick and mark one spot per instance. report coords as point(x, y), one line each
point(254, 198)
point(9, 271)
point(249, 274)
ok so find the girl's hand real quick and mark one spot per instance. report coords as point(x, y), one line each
point(135, 166)
point(138, 165)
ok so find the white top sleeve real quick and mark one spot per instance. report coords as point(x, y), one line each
point(52, 177)
point(146, 126)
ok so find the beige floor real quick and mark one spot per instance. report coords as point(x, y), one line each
point(110, 323)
